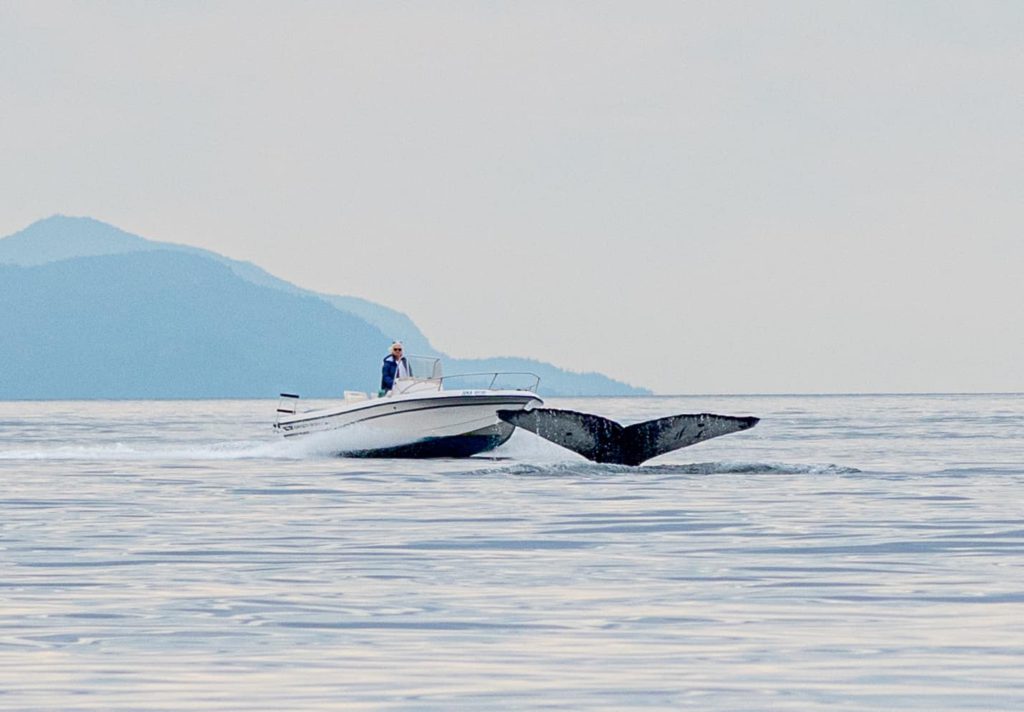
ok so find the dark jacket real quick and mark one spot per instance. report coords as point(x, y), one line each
point(388, 371)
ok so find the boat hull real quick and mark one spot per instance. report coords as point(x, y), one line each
point(447, 424)
point(465, 445)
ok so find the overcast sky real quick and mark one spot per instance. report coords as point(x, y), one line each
point(694, 197)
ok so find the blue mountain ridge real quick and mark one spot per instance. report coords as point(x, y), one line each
point(91, 311)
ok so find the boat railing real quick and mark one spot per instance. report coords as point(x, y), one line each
point(286, 405)
point(492, 381)
point(427, 376)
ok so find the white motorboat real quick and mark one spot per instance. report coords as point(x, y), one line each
point(428, 415)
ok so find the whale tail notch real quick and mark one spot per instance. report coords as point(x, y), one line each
point(603, 440)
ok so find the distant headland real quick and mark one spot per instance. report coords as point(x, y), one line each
point(90, 311)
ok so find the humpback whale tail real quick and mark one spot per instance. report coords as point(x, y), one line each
point(603, 440)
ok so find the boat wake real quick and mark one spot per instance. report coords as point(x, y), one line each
point(316, 445)
point(521, 461)
point(242, 450)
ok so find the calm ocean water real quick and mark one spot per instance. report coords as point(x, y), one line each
point(850, 552)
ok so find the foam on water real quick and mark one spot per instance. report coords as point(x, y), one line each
point(534, 455)
point(121, 452)
point(273, 446)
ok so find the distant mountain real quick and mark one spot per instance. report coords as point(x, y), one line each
point(91, 311)
point(170, 325)
point(61, 238)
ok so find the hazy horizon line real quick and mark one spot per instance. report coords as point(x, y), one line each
point(865, 394)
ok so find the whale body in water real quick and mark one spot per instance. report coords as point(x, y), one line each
point(603, 440)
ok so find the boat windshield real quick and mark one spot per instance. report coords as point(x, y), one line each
point(424, 367)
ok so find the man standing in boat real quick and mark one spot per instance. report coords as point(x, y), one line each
point(395, 366)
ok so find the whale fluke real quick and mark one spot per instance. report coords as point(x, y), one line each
point(603, 440)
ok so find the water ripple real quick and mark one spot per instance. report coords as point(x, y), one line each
point(841, 555)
